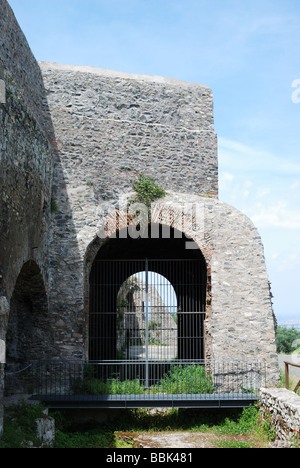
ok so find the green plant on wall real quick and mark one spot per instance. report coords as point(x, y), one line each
point(147, 191)
point(54, 206)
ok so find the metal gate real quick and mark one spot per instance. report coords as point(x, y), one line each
point(146, 312)
point(146, 345)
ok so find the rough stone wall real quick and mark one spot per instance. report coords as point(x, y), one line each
point(281, 408)
point(25, 163)
point(25, 156)
point(25, 175)
point(239, 316)
point(109, 127)
point(162, 331)
point(242, 321)
point(19, 61)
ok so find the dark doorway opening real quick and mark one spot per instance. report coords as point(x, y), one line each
point(120, 326)
point(28, 336)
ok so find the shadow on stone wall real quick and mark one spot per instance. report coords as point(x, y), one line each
point(29, 156)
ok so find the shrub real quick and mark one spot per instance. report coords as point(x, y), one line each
point(20, 427)
point(83, 440)
point(189, 379)
point(147, 191)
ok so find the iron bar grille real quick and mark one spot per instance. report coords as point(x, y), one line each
point(170, 381)
point(146, 344)
point(147, 310)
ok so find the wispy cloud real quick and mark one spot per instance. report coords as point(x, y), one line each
point(260, 184)
point(276, 216)
point(233, 154)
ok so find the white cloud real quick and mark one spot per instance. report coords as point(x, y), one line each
point(261, 184)
point(233, 154)
point(276, 216)
point(225, 180)
point(263, 192)
point(286, 261)
point(295, 185)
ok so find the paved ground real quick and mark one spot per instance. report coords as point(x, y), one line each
point(154, 352)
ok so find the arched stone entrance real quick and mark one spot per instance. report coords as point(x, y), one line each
point(231, 250)
point(28, 336)
point(147, 329)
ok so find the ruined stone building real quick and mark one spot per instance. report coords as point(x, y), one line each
point(133, 331)
point(72, 139)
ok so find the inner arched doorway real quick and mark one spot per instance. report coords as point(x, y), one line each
point(147, 317)
point(147, 300)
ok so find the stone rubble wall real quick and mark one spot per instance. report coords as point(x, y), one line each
point(100, 129)
point(242, 319)
point(111, 126)
point(25, 165)
point(17, 58)
point(239, 320)
point(25, 156)
point(281, 408)
point(132, 320)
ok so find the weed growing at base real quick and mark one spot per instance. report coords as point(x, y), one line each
point(20, 424)
point(180, 380)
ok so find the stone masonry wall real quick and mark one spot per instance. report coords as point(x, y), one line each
point(109, 127)
point(239, 316)
point(242, 321)
point(25, 156)
point(25, 165)
point(281, 408)
point(71, 141)
point(96, 160)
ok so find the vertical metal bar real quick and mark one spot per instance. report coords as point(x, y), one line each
point(146, 322)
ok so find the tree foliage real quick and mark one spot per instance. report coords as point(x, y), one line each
point(285, 339)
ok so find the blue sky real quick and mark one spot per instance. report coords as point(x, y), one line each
point(248, 52)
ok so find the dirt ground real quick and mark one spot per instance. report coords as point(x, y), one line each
point(178, 440)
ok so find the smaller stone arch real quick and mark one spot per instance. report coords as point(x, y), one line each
point(161, 323)
point(28, 336)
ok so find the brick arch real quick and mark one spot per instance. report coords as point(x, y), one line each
point(170, 212)
point(164, 217)
point(174, 211)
